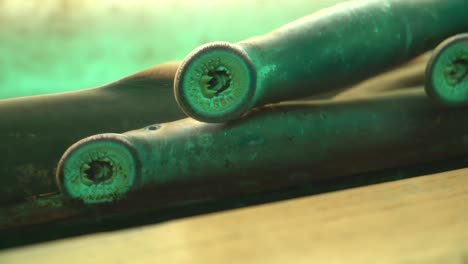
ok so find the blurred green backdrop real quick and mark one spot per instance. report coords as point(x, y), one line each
point(49, 46)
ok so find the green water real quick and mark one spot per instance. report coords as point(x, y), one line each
point(59, 45)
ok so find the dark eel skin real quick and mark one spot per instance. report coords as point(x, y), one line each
point(36, 130)
point(276, 145)
point(335, 47)
point(406, 76)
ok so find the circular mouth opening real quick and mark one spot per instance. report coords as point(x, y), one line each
point(101, 168)
point(97, 171)
point(457, 70)
point(214, 82)
point(447, 72)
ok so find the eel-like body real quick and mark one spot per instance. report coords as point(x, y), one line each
point(36, 130)
point(280, 144)
point(335, 47)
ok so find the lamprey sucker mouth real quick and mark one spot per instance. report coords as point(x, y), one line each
point(101, 168)
point(322, 53)
point(447, 72)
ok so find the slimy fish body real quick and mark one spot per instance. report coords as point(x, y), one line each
point(331, 49)
point(274, 146)
point(34, 131)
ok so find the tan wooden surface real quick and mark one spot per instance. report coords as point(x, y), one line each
point(418, 220)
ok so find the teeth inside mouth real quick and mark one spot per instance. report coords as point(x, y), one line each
point(215, 81)
point(97, 171)
point(457, 71)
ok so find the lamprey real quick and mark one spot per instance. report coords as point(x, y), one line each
point(33, 148)
point(407, 76)
point(36, 130)
point(447, 72)
point(282, 144)
point(327, 50)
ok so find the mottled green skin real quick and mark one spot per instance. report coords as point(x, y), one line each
point(409, 75)
point(35, 131)
point(32, 148)
point(337, 47)
point(290, 143)
point(447, 72)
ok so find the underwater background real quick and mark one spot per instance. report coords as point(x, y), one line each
point(51, 46)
